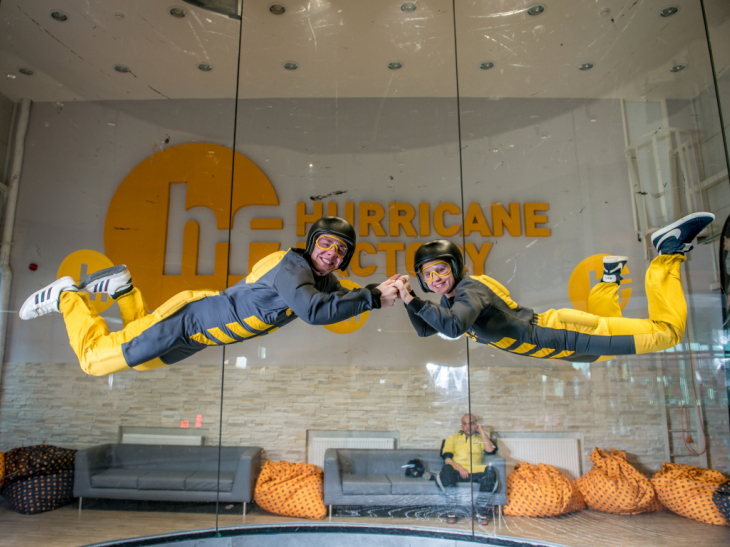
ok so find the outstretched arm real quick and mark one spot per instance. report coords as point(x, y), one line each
point(296, 285)
point(406, 294)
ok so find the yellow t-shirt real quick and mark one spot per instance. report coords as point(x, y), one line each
point(467, 452)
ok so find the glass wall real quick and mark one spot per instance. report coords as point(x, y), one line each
point(198, 143)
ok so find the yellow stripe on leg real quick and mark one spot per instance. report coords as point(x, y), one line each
point(256, 323)
point(222, 336)
point(201, 338)
point(504, 343)
point(238, 329)
point(524, 348)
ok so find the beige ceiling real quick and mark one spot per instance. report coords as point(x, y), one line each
point(343, 48)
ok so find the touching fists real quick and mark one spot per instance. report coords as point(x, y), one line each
point(403, 284)
point(388, 291)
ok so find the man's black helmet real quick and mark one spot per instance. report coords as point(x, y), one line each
point(338, 227)
point(439, 249)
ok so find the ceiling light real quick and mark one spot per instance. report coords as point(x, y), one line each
point(59, 15)
point(291, 65)
point(395, 65)
point(119, 15)
point(10, 76)
point(121, 68)
point(26, 71)
point(177, 12)
point(205, 67)
point(677, 68)
point(585, 66)
point(277, 9)
point(486, 65)
point(408, 7)
point(537, 9)
point(668, 12)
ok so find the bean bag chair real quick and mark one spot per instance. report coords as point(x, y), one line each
point(615, 486)
point(721, 498)
point(541, 491)
point(38, 478)
point(687, 490)
point(291, 490)
point(2, 468)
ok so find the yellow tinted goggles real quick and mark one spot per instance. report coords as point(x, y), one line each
point(339, 245)
point(441, 269)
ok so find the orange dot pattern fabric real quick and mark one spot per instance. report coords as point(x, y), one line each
point(37, 461)
point(40, 494)
point(291, 490)
point(687, 490)
point(721, 498)
point(38, 478)
point(2, 468)
point(615, 486)
point(541, 491)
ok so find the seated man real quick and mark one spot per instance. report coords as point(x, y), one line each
point(463, 453)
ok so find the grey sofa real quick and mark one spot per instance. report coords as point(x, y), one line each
point(369, 477)
point(166, 473)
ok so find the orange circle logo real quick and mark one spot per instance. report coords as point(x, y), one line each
point(80, 264)
point(588, 273)
point(353, 323)
point(210, 177)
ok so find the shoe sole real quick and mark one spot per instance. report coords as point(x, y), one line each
point(678, 223)
point(612, 259)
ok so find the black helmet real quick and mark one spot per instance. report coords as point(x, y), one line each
point(433, 250)
point(335, 226)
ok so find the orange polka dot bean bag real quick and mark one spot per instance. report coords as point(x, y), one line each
point(2, 468)
point(291, 490)
point(615, 486)
point(687, 490)
point(541, 491)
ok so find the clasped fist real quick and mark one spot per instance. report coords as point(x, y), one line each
point(394, 288)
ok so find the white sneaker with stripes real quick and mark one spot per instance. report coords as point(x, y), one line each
point(46, 300)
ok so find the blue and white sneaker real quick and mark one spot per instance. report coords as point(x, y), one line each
point(612, 267)
point(114, 281)
point(46, 300)
point(677, 237)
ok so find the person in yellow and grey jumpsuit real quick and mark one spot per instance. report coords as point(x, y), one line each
point(481, 307)
point(281, 287)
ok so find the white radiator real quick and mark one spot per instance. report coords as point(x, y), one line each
point(317, 446)
point(142, 438)
point(561, 453)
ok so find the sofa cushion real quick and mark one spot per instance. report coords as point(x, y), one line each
point(208, 481)
point(365, 484)
point(117, 477)
point(408, 485)
point(400, 484)
point(161, 479)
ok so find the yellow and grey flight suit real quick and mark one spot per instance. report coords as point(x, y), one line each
point(280, 288)
point(482, 308)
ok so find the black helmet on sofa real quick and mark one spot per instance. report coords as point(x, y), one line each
point(433, 250)
point(338, 227)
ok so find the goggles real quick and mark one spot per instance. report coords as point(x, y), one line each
point(340, 247)
point(441, 269)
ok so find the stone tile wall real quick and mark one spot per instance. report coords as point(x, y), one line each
point(616, 404)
